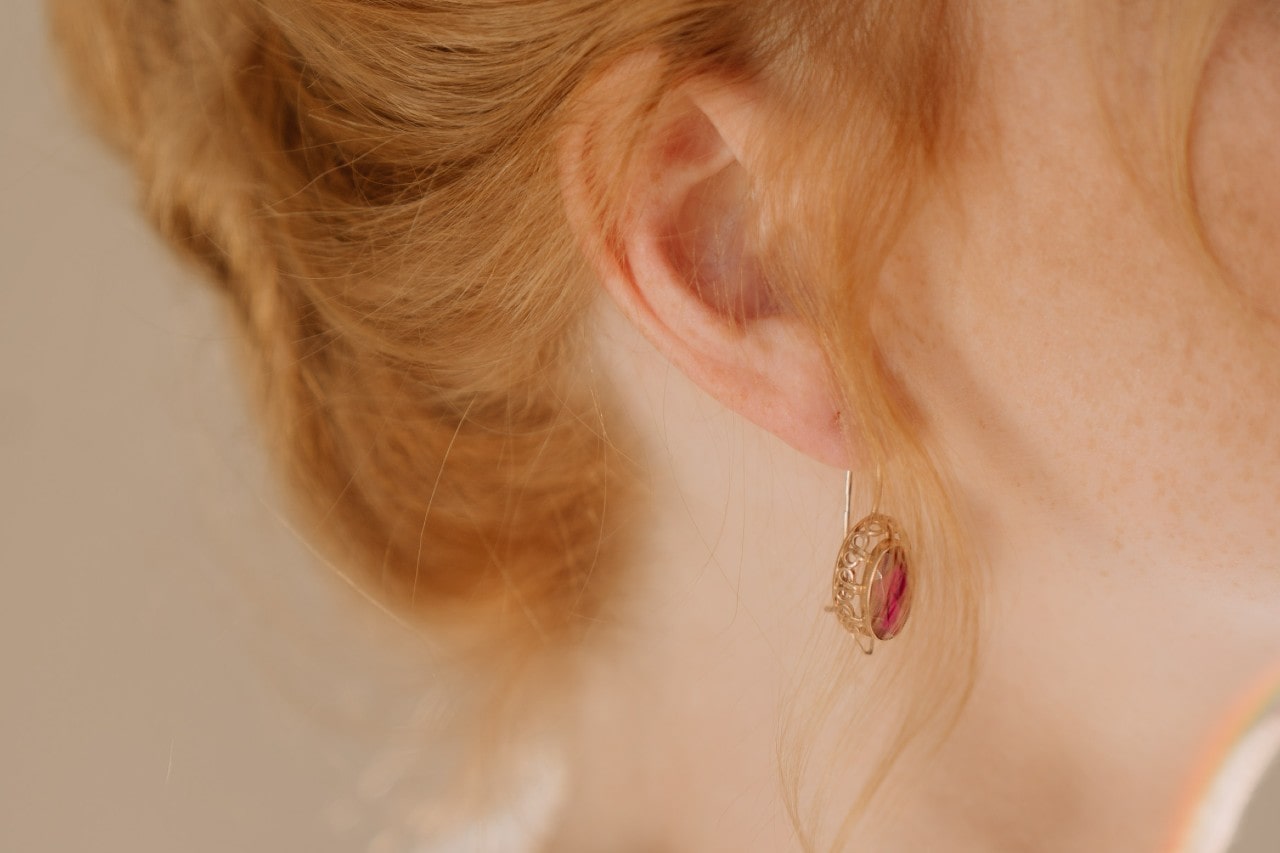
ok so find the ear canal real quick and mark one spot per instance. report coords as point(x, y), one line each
point(710, 243)
point(705, 225)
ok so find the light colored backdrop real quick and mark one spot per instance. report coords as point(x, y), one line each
point(178, 672)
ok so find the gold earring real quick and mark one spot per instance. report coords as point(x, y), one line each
point(871, 584)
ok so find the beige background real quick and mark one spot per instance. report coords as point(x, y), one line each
point(179, 672)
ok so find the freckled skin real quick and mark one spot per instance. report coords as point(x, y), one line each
point(1114, 407)
point(1110, 412)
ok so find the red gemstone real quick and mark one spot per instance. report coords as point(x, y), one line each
point(890, 594)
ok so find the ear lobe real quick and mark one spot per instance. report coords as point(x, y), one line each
point(672, 240)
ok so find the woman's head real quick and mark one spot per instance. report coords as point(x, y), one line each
point(380, 190)
point(964, 246)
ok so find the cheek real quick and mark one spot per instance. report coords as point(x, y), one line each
point(1235, 153)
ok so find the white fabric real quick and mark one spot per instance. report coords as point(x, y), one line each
point(521, 823)
point(1218, 816)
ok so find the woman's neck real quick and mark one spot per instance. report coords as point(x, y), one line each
point(1104, 667)
point(1071, 741)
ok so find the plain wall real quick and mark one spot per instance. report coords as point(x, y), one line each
point(180, 673)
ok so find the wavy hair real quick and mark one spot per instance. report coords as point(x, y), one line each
point(373, 186)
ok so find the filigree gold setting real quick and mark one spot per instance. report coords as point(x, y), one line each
point(858, 594)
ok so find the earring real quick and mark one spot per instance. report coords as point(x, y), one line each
point(871, 585)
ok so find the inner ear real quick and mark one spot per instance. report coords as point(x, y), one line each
point(709, 245)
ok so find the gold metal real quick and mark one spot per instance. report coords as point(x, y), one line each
point(857, 565)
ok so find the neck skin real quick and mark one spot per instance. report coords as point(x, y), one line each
point(1111, 415)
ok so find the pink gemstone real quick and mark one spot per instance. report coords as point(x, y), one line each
point(890, 594)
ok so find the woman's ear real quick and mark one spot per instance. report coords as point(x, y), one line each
point(660, 199)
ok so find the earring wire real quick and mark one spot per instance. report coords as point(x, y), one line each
point(848, 495)
point(848, 499)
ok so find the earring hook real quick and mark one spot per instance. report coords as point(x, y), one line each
point(848, 498)
point(848, 495)
point(875, 507)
